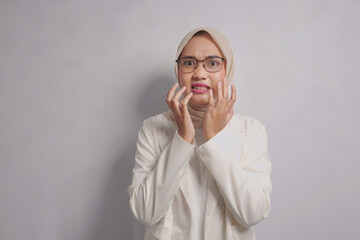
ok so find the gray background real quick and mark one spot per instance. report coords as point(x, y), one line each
point(77, 78)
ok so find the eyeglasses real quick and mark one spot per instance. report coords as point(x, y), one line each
point(211, 64)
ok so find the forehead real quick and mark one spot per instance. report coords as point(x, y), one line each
point(201, 46)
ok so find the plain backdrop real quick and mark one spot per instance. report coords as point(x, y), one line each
point(77, 78)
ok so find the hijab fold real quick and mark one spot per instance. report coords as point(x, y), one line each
point(198, 114)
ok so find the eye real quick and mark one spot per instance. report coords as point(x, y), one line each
point(214, 63)
point(188, 63)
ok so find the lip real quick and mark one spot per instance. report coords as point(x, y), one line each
point(199, 91)
point(200, 85)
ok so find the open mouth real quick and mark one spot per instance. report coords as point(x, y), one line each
point(199, 88)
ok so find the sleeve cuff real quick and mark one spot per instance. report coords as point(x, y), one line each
point(223, 147)
point(183, 142)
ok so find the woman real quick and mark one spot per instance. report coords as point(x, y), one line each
point(201, 171)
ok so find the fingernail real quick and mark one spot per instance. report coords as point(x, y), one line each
point(219, 83)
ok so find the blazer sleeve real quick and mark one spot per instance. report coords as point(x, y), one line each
point(241, 173)
point(156, 178)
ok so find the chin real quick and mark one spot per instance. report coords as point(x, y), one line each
point(199, 102)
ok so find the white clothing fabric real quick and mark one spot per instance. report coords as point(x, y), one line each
point(198, 179)
point(238, 188)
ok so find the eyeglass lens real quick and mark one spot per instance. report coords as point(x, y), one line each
point(213, 64)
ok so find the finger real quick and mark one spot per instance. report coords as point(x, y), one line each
point(174, 104)
point(178, 94)
point(211, 101)
point(184, 103)
point(220, 92)
point(170, 93)
point(229, 116)
point(226, 90)
point(187, 98)
point(233, 92)
point(231, 110)
point(181, 106)
point(176, 109)
point(232, 99)
point(175, 101)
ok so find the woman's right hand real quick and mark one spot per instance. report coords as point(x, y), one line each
point(186, 128)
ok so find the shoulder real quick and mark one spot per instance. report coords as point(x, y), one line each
point(242, 123)
point(160, 122)
point(252, 130)
point(157, 131)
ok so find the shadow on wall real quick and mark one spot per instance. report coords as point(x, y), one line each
point(115, 220)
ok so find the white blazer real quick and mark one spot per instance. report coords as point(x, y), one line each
point(238, 191)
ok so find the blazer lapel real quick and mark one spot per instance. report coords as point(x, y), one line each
point(184, 186)
point(211, 202)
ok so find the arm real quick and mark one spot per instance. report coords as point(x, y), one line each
point(156, 178)
point(243, 176)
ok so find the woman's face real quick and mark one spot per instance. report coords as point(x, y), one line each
point(200, 47)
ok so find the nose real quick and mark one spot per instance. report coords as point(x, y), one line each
point(200, 72)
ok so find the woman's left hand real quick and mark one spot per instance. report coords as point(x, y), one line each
point(219, 114)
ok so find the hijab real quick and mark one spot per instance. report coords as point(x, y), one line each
point(198, 114)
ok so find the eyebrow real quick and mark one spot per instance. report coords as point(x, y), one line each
point(192, 57)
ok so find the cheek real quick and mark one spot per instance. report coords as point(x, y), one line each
point(217, 78)
point(184, 80)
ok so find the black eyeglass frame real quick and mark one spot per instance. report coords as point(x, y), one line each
point(203, 61)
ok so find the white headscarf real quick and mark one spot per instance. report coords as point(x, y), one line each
point(198, 114)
